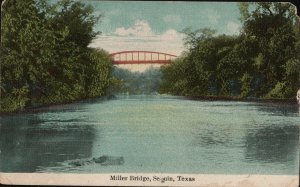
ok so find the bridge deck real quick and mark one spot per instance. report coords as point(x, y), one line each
point(143, 62)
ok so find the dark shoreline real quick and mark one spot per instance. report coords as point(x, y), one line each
point(42, 108)
point(224, 98)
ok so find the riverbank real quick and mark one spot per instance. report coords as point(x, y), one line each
point(56, 106)
point(226, 98)
point(109, 97)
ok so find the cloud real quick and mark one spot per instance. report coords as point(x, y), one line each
point(172, 19)
point(213, 16)
point(232, 28)
point(140, 37)
point(170, 34)
point(140, 28)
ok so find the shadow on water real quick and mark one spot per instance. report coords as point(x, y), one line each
point(272, 144)
point(212, 135)
point(76, 106)
point(26, 143)
point(281, 109)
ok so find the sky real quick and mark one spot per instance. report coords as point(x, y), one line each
point(157, 26)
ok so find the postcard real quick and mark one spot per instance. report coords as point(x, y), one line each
point(144, 93)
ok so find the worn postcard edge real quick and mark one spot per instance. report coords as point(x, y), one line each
point(142, 179)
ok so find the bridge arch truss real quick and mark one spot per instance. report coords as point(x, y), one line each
point(141, 57)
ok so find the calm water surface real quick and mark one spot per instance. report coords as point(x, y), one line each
point(154, 134)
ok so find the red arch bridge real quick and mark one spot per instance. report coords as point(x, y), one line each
point(141, 57)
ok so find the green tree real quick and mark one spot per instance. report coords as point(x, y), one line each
point(20, 29)
point(275, 40)
point(45, 59)
point(210, 66)
point(98, 73)
point(174, 78)
point(262, 62)
point(77, 18)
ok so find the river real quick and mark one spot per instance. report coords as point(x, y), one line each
point(164, 134)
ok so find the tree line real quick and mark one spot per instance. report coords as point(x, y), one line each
point(44, 54)
point(45, 57)
point(146, 82)
point(263, 61)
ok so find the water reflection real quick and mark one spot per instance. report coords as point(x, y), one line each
point(278, 109)
point(212, 135)
point(27, 142)
point(184, 136)
point(273, 143)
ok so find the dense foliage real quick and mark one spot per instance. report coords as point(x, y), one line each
point(129, 82)
point(44, 54)
point(263, 61)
